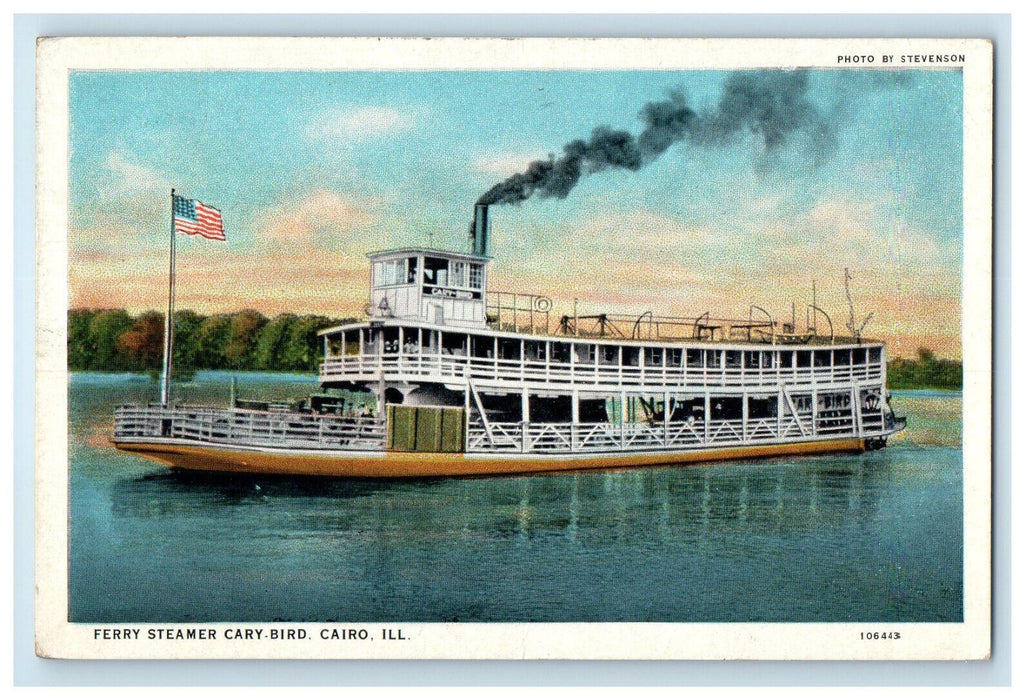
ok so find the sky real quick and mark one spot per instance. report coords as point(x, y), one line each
point(848, 168)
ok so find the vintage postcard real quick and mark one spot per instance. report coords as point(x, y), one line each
point(514, 349)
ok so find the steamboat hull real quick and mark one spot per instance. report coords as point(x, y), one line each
point(386, 464)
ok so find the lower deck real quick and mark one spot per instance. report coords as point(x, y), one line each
point(456, 440)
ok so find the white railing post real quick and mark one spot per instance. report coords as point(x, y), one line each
point(813, 412)
point(706, 418)
point(666, 417)
point(745, 415)
point(858, 420)
point(781, 412)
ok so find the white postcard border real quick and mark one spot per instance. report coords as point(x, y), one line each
point(57, 637)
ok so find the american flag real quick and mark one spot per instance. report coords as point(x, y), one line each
point(192, 217)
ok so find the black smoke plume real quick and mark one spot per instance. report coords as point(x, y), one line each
point(771, 104)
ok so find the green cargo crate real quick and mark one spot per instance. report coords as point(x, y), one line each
point(426, 428)
point(453, 430)
point(401, 428)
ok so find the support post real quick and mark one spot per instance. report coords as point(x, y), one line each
point(781, 411)
point(525, 413)
point(745, 414)
point(574, 416)
point(858, 421)
point(623, 418)
point(666, 418)
point(813, 411)
point(706, 418)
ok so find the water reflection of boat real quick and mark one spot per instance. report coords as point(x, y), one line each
point(801, 495)
point(471, 382)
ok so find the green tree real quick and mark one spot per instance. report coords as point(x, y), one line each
point(210, 341)
point(925, 372)
point(81, 351)
point(303, 348)
point(244, 328)
point(142, 345)
point(269, 352)
point(112, 340)
point(184, 354)
point(105, 329)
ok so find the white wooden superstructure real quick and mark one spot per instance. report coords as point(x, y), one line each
point(535, 388)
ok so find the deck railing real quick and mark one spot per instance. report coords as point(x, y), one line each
point(603, 437)
point(292, 430)
point(249, 428)
point(533, 313)
point(434, 366)
point(519, 312)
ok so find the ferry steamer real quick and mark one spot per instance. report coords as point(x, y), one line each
point(472, 382)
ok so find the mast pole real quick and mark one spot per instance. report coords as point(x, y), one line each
point(166, 367)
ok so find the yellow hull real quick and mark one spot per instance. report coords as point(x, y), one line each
point(388, 464)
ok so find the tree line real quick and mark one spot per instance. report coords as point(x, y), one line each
point(925, 372)
point(112, 340)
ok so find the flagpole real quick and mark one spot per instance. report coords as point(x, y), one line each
point(166, 368)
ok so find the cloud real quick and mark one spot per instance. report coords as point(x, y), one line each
point(358, 123)
point(323, 218)
point(613, 262)
point(122, 202)
point(626, 262)
point(213, 280)
point(504, 164)
point(822, 238)
point(127, 178)
point(643, 233)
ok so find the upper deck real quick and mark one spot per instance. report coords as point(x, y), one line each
point(433, 320)
point(535, 314)
point(448, 290)
point(406, 351)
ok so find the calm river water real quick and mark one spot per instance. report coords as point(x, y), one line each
point(874, 537)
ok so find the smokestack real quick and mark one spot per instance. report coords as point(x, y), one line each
point(478, 230)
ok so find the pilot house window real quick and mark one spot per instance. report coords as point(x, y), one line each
point(465, 274)
point(392, 272)
point(458, 274)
